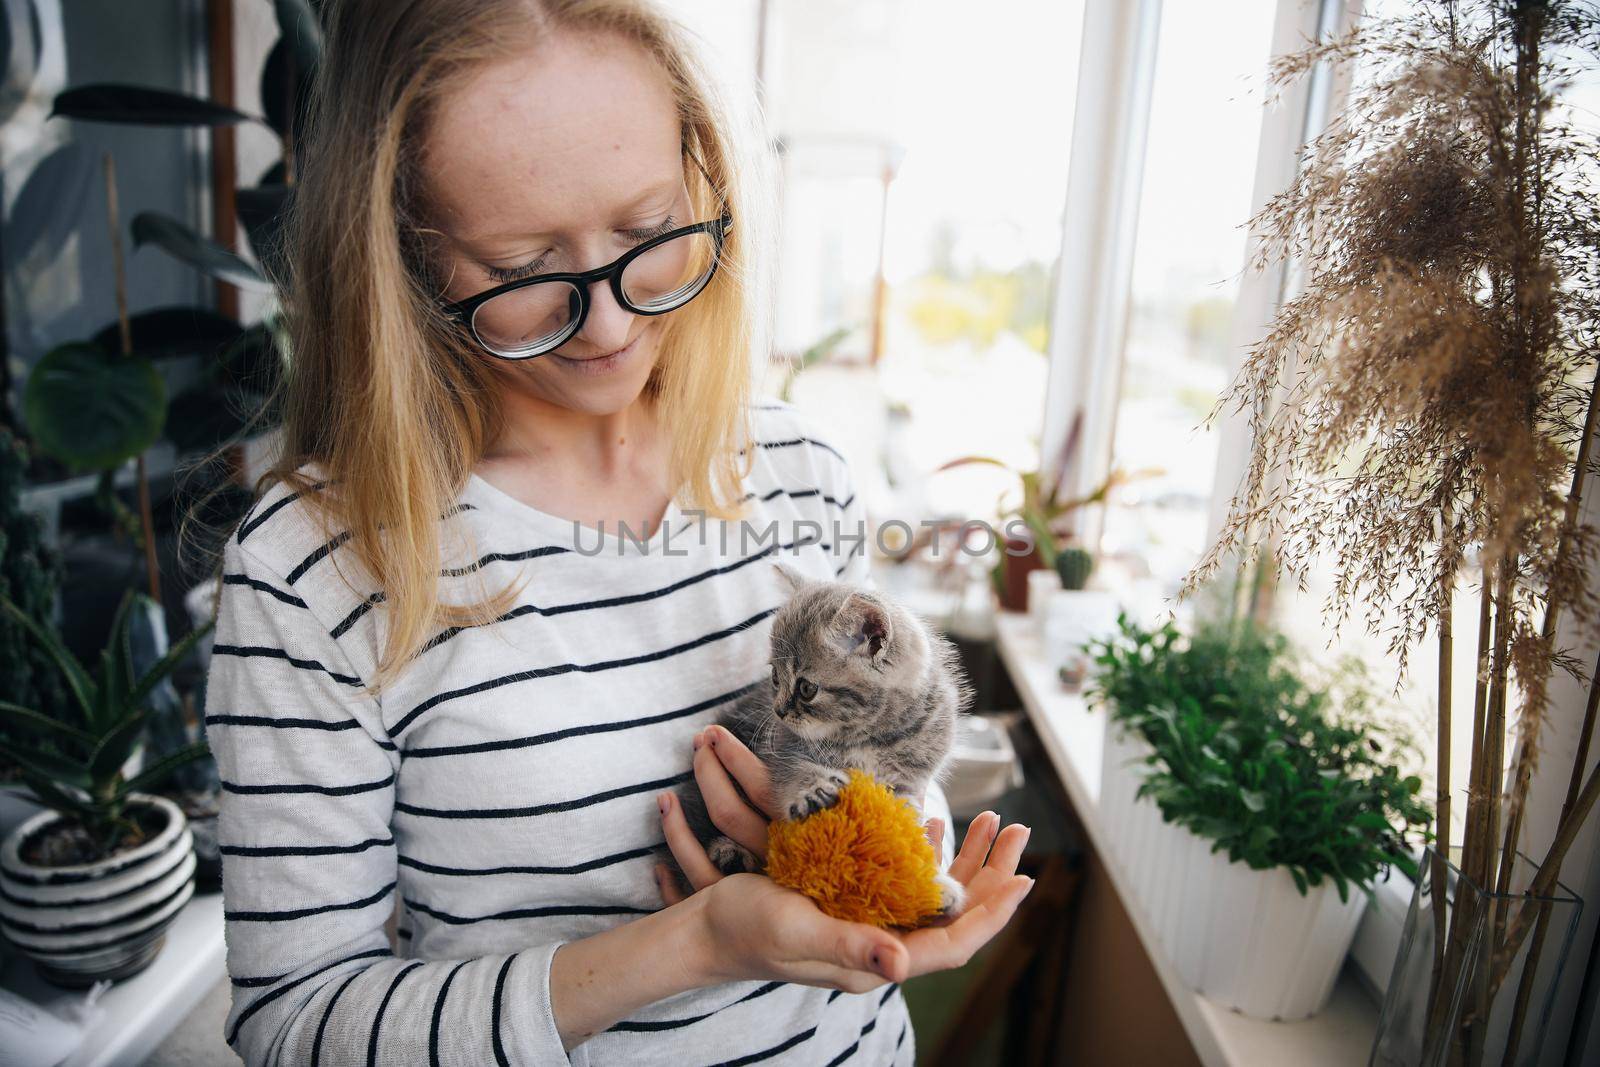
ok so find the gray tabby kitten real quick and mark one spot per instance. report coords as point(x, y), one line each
point(857, 682)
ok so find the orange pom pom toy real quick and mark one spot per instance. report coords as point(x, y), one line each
point(865, 859)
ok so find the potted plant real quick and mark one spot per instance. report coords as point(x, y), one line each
point(1423, 413)
point(89, 886)
point(1252, 808)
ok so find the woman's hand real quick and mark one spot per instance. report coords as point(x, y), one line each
point(758, 929)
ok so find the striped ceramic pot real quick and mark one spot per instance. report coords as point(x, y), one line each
point(109, 919)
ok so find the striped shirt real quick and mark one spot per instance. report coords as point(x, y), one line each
point(502, 790)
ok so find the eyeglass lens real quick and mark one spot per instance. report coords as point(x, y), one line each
point(537, 318)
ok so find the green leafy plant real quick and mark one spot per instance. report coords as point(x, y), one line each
point(1275, 769)
point(1074, 565)
point(76, 767)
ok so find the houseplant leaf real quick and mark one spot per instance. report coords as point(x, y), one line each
point(301, 28)
point(163, 667)
point(174, 331)
point(261, 210)
point(51, 765)
point(53, 796)
point(158, 771)
point(77, 679)
point(92, 410)
point(49, 207)
point(136, 104)
point(30, 720)
point(173, 237)
point(115, 747)
point(202, 418)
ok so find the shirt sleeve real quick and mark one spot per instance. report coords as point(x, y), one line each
point(310, 869)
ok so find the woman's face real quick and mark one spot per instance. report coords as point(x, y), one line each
point(560, 160)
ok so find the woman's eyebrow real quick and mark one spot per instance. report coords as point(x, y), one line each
point(658, 191)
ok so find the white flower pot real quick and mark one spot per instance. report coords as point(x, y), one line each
point(1245, 938)
point(96, 920)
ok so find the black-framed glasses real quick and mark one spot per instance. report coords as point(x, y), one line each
point(531, 316)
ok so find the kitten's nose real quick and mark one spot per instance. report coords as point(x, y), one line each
point(783, 712)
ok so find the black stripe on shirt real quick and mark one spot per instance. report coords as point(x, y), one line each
point(327, 1013)
point(270, 590)
point(802, 441)
point(249, 525)
point(577, 731)
point(280, 723)
point(267, 998)
point(503, 557)
point(317, 557)
point(438, 1014)
point(249, 651)
point(675, 1024)
point(871, 1025)
point(525, 913)
point(584, 668)
point(575, 868)
point(305, 850)
point(775, 1050)
point(383, 1006)
point(301, 913)
point(309, 787)
point(542, 809)
point(494, 1017)
point(355, 616)
point(799, 494)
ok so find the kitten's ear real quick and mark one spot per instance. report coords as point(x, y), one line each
point(789, 579)
point(862, 625)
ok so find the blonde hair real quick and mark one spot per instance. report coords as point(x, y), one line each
point(386, 394)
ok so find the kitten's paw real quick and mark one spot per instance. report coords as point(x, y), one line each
point(730, 857)
point(952, 897)
point(823, 793)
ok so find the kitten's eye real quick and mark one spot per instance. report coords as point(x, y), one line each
point(806, 688)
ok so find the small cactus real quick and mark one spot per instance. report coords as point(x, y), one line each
point(1074, 565)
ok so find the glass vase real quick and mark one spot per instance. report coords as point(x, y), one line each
point(1453, 996)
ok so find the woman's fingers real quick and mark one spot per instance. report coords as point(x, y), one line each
point(746, 768)
point(1007, 851)
point(727, 809)
point(974, 847)
point(854, 947)
point(686, 848)
point(938, 948)
point(667, 883)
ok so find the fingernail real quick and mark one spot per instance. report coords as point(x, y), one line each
point(711, 734)
point(878, 963)
point(1029, 888)
point(661, 802)
point(699, 739)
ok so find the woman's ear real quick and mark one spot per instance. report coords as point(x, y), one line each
point(789, 579)
point(862, 625)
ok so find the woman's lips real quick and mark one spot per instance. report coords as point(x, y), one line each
point(594, 366)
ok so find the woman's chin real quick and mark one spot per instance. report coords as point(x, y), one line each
point(602, 385)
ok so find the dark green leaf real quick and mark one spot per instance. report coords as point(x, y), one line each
point(51, 765)
point(77, 679)
point(158, 772)
point(49, 209)
point(163, 667)
point(93, 410)
point(142, 106)
point(205, 255)
point(174, 331)
point(261, 210)
point(299, 25)
point(30, 720)
point(115, 748)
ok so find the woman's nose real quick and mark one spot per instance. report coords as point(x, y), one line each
point(605, 330)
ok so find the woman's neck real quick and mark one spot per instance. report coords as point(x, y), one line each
point(588, 468)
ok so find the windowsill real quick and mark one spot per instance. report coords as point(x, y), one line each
point(142, 1010)
point(1073, 738)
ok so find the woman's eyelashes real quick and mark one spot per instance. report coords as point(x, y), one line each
point(542, 263)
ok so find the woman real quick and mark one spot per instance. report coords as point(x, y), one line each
point(442, 672)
